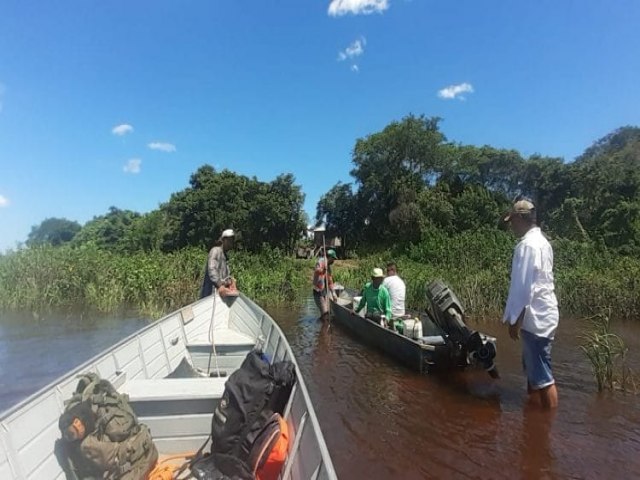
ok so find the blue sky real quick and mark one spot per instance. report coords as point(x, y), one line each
point(87, 88)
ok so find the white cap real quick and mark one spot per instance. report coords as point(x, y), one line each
point(519, 207)
point(228, 233)
point(377, 273)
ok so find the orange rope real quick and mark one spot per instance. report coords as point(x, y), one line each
point(165, 472)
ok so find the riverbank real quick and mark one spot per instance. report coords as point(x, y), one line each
point(476, 265)
point(93, 280)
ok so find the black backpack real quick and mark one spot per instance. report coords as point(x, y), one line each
point(252, 394)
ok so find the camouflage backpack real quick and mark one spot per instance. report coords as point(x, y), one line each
point(113, 445)
point(114, 416)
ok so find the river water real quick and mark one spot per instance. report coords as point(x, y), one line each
point(36, 351)
point(383, 421)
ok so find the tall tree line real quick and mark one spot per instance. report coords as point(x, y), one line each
point(408, 179)
point(262, 213)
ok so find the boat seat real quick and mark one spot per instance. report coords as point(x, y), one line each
point(174, 389)
point(223, 337)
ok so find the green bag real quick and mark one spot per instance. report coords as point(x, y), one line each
point(115, 446)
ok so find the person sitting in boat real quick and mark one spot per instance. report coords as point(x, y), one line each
point(323, 282)
point(397, 290)
point(376, 298)
point(217, 274)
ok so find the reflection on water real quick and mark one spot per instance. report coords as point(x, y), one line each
point(34, 352)
point(382, 420)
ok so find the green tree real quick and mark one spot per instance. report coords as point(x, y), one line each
point(338, 209)
point(494, 169)
point(606, 184)
point(213, 202)
point(549, 182)
point(263, 213)
point(53, 231)
point(108, 231)
point(146, 232)
point(392, 167)
point(276, 216)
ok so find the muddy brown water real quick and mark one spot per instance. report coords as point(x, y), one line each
point(383, 421)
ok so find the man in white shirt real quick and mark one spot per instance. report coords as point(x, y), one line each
point(397, 290)
point(532, 308)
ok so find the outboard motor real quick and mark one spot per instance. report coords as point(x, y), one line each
point(447, 312)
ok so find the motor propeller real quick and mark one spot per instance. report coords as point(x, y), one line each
point(482, 352)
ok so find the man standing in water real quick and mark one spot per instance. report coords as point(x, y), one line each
point(323, 282)
point(532, 307)
point(217, 274)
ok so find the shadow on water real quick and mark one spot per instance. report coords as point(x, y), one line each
point(382, 420)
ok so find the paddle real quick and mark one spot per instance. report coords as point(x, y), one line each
point(326, 278)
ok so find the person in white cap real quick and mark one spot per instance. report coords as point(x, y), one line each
point(532, 308)
point(376, 298)
point(217, 274)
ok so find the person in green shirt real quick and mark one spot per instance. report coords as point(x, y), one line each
point(376, 298)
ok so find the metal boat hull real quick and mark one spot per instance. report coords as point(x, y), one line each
point(177, 410)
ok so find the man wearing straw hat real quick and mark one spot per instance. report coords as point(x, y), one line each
point(217, 274)
point(532, 309)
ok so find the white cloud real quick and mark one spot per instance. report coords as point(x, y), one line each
point(338, 8)
point(132, 166)
point(455, 91)
point(354, 50)
point(355, 68)
point(162, 146)
point(121, 130)
point(4, 201)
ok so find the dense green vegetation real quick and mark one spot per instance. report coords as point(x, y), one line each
point(409, 181)
point(477, 264)
point(96, 280)
point(264, 213)
point(429, 204)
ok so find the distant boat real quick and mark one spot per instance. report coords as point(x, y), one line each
point(177, 410)
point(438, 341)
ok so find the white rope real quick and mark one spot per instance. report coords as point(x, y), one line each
point(211, 339)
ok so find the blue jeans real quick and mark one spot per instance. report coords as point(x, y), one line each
point(536, 360)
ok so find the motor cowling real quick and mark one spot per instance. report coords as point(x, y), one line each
point(447, 312)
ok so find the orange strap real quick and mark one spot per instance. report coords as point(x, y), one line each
point(165, 472)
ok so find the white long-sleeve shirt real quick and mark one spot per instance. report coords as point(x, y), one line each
point(397, 292)
point(532, 287)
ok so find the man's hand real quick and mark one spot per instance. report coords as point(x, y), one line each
point(228, 288)
point(514, 330)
